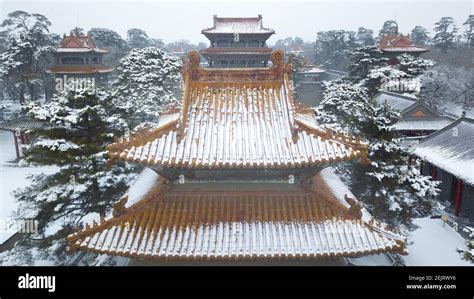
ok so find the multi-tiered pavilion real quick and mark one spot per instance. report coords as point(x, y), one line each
point(77, 57)
point(237, 42)
point(237, 168)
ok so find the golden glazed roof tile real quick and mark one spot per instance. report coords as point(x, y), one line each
point(242, 118)
point(269, 221)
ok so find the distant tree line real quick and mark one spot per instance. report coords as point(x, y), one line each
point(331, 49)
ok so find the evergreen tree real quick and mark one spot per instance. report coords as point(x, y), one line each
point(389, 27)
point(370, 68)
point(419, 36)
point(298, 61)
point(469, 33)
point(146, 82)
point(445, 34)
point(332, 48)
point(365, 37)
point(138, 38)
point(28, 46)
point(113, 42)
point(363, 60)
point(184, 45)
point(386, 185)
point(77, 31)
point(85, 183)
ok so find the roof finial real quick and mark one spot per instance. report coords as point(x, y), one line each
point(194, 59)
point(277, 57)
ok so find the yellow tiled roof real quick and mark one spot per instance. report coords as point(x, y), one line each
point(238, 118)
point(218, 221)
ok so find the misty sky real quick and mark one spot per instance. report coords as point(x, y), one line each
point(174, 20)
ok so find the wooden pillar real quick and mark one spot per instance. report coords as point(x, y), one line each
point(421, 167)
point(457, 196)
point(434, 172)
point(17, 149)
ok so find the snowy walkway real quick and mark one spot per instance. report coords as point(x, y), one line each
point(434, 245)
point(11, 178)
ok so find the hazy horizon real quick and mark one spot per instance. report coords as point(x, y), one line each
point(175, 20)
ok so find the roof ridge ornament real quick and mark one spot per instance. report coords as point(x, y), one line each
point(278, 57)
point(194, 59)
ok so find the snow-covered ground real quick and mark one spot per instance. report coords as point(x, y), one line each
point(11, 178)
point(433, 244)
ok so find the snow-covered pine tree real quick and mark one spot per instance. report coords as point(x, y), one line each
point(332, 48)
point(363, 60)
point(365, 37)
point(113, 42)
point(445, 35)
point(469, 31)
point(85, 183)
point(419, 36)
point(138, 38)
point(147, 82)
point(468, 253)
point(386, 184)
point(445, 86)
point(298, 61)
point(28, 46)
point(402, 76)
point(389, 27)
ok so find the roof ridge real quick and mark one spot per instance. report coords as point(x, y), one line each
point(454, 123)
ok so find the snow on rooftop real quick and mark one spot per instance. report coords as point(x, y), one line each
point(433, 244)
point(451, 149)
point(397, 101)
point(77, 50)
point(238, 25)
point(143, 184)
point(380, 259)
point(315, 70)
point(339, 189)
point(422, 124)
point(405, 49)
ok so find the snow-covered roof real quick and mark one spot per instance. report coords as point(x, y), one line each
point(399, 43)
point(25, 123)
point(313, 70)
point(405, 49)
point(85, 69)
point(415, 114)
point(422, 124)
point(75, 43)
point(232, 119)
point(237, 51)
point(396, 100)
point(451, 149)
point(80, 50)
point(238, 118)
point(238, 25)
point(235, 220)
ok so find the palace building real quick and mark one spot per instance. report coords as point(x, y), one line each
point(448, 156)
point(417, 119)
point(397, 44)
point(237, 177)
point(237, 42)
point(77, 57)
